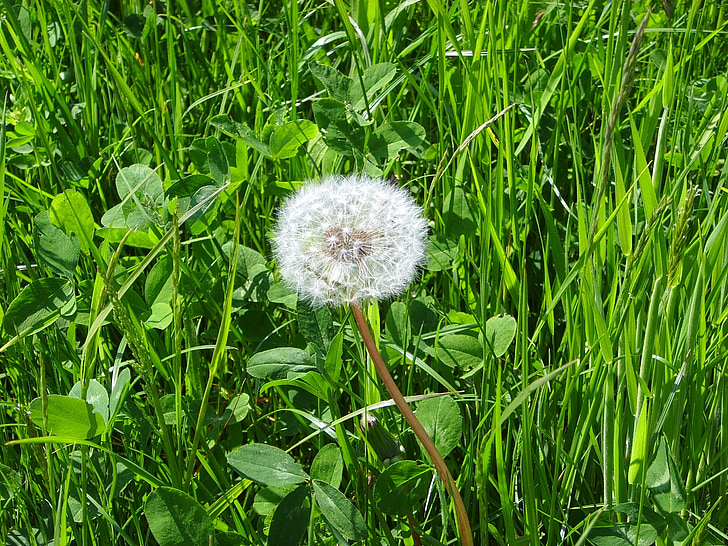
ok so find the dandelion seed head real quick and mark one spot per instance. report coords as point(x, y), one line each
point(349, 239)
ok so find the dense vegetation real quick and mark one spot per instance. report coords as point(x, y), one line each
point(566, 342)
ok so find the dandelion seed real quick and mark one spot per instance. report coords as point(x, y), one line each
point(349, 239)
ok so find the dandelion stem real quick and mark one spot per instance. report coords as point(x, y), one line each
point(466, 537)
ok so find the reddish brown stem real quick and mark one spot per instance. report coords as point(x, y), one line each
point(416, 540)
point(466, 536)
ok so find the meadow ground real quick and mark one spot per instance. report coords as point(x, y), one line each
point(565, 344)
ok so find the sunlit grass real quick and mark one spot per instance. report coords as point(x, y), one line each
point(572, 169)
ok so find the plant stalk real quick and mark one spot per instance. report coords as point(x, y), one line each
point(466, 536)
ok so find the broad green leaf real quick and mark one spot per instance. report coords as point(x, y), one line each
point(26, 537)
point(624, 535)
point(76, 509)
point(278, 363)
point(499, 333)
point(217, 161)
point(287, 138)
point(68, 417)
point(70, 212)
point(336, 83)
point(140, 181)
point(677, 529)
point(314, 383)
point(247, 258)
point(24, 128)
point(398, 325)
point(239, 131)
point(237, 408)
point(187, 186)
point(38, 306)
point(339, 512)
point(459, 317)
point(168, 404)
point(209, 158)
point(256, 324)
point(160, 316)
point(176, 519)
point(142, 196)
point(23, 134)
point(257, 286)
point(389, 139)
point(457, 215)
point(291, 518)
point(268, 498)
point(134, 24)
point(55, 249)
point(441, 253)
point(158, 286)
point(664, 482)
point(203, 197)
point(338, 134)
point(374, 79)
point(316, 325)
point(442, 420)
point(138, 239)
point(459, 350)
point(266, 464)
point(96, 395)
point(422, 318)
point(634, 511)
point(280, 293)
point(198, 155)
point(113, 218)
point(333, 363)
point(328, 465)
point(402, 486)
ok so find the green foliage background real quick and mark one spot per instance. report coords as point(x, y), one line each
point(571, 163)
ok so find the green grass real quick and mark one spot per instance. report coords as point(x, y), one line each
point(593, 210)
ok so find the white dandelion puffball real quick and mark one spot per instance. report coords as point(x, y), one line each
point(348, 239)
